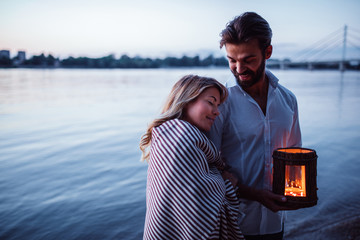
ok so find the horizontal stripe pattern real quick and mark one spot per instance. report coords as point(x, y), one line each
point(186, 196)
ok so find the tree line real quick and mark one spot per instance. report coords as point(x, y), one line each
point(42, 61)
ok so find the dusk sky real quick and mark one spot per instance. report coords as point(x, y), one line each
point(162, 27)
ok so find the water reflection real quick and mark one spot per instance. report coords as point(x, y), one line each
point(341, 89)
point(69, 157)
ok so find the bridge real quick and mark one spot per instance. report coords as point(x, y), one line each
point(339, 50)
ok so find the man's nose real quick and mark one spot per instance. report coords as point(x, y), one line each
point(240, 67)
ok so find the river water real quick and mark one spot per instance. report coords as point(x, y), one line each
point(69, 157)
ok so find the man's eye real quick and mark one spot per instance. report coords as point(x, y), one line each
point(210, 103)
point(250, 60)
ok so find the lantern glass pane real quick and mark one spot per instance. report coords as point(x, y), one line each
point(295, 181)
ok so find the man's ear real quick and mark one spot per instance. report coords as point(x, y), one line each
point(268, 52)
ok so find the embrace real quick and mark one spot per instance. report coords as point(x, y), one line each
point(210, 150)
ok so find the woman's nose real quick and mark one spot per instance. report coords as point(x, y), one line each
point(216, 111)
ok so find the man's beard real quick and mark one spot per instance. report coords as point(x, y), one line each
point(255, 76)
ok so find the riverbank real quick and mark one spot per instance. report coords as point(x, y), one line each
point(347, 229)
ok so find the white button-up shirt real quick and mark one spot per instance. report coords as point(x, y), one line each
point(247, 139)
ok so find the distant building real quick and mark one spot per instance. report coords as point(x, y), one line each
point(5, 54)
point(57, 63)
point(5, 60)
point(21, 56)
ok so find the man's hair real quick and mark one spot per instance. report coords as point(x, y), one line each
point(246, 27)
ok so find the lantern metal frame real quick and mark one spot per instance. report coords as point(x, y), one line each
point(289, 157)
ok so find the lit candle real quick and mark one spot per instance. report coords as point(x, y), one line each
point(294, 191)
point(295, 181)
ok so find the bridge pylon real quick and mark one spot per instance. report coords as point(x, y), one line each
point(342, 63)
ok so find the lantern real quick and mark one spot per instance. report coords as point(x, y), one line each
point(294, 176)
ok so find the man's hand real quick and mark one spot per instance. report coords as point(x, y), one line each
point(272, 201)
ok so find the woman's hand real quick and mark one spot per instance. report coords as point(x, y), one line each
point(230, 176)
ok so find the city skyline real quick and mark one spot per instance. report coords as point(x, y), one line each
point(161, 28)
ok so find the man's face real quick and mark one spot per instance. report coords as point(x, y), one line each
point(247, 62)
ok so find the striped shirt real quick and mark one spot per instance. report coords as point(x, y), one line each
point(186, 196)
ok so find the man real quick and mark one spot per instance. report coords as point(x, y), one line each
point(259, 116)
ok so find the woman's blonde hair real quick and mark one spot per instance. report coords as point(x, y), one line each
point(186, 90)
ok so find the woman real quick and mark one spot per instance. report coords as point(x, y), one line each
point(186, 195)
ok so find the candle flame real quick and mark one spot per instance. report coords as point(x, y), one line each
point(295, 192)
point(295, 181)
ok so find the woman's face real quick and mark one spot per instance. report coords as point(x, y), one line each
point(203, 111)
